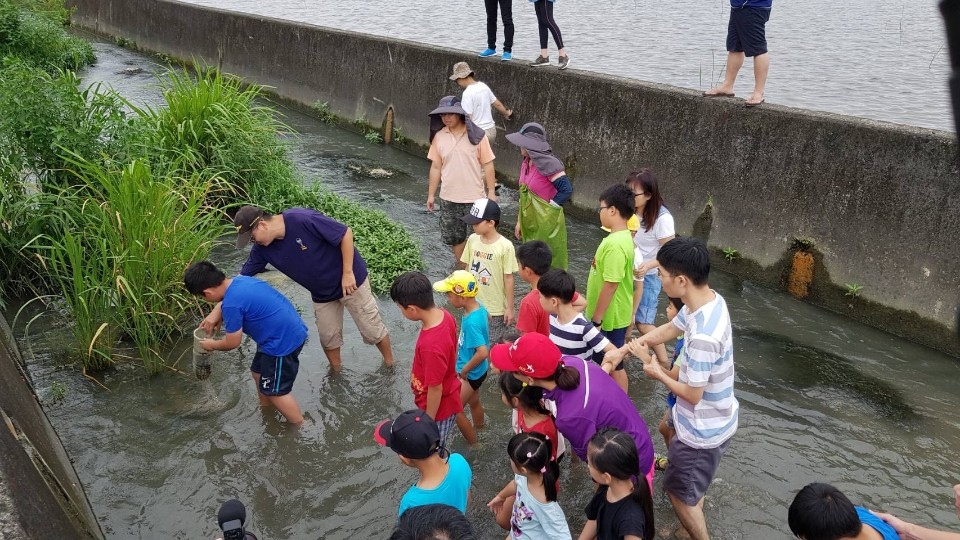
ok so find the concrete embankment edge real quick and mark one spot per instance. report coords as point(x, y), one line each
point(878, 203)
point(40, 494)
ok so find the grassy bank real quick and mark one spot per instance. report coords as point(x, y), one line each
point(104, 203)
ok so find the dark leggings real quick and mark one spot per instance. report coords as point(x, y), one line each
point(544, 10)
point(506, 13)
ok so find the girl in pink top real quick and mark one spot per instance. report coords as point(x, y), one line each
point(542, 177)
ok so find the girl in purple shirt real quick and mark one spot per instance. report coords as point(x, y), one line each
point(587, 398)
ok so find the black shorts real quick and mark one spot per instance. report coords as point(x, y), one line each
point(277, 373)
point(746, 31)
point(475, 383)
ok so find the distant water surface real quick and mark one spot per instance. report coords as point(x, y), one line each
point(879, 59)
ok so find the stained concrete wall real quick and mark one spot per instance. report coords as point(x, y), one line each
point(40, 494)
point(880, 202)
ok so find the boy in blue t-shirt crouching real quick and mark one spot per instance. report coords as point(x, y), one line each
point(251, 306)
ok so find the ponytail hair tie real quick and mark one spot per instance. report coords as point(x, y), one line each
point(543, 470)
point(529, 455)
point(523, 385)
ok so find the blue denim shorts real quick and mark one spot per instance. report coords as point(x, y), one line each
point(647, 311)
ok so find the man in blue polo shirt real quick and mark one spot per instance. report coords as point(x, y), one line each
point(251, 306)
point(318, 253)
point(746, 37)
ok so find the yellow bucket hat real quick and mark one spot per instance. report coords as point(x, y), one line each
point(460, 283)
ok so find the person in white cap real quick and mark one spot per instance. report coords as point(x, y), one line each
point(478, 99)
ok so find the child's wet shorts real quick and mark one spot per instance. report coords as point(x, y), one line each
point(277, 373)
point(475, 383)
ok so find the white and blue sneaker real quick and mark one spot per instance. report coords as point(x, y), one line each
point(506, 56)
point(486, 53)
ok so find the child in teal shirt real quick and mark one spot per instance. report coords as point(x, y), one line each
point(444, 477)
point(473, 344)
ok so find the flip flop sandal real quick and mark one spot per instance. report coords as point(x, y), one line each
point(718, 94)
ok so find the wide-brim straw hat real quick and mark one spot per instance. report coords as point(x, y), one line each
point(461, 70)
point(449, 104)
point(531, 136)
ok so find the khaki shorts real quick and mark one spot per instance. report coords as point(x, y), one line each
point(491, 134)
point(362, 307)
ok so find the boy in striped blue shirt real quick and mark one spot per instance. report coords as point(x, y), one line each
point(570, 331)
point(706, 412)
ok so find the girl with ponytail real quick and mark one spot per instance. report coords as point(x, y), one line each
point(536, 514)
point(622, 507)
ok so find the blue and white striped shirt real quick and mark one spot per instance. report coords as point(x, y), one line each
point(578, 337)
point(708, 364)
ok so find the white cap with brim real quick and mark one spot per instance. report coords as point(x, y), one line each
point(482, 210)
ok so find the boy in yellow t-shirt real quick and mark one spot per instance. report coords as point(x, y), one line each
point(491, 259)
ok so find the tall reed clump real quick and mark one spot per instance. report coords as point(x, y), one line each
point(55, 10)
point(385, 245)
point(119, 260)
point(44, 114)
point(39, 39)
point(212, 122)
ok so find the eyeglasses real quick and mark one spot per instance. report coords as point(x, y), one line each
point(602, 208)
point(253, 230)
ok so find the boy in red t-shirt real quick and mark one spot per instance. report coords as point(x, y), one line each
point(534, 258)
point(433, 376)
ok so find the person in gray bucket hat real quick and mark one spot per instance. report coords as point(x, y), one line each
point(544, 187)
point(478, 99)
point(461, 167)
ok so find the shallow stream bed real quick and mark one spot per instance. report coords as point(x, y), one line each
point(821, 398)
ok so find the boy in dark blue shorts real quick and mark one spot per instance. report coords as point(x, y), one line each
point(251, 306)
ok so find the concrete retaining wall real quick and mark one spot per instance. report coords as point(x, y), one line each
point(40, 494)
point(880, 202)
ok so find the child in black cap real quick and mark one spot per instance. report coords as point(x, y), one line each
point(415, 438)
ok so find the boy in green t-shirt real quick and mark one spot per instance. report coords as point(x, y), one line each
point(610, 282)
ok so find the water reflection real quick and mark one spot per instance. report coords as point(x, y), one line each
point(803, 367)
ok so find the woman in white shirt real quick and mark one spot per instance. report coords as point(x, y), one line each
point(656, 229)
